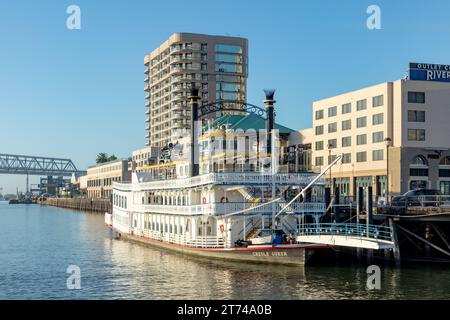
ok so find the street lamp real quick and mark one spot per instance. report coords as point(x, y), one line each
point(388, 142)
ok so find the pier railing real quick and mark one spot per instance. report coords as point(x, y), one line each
point(417, 205)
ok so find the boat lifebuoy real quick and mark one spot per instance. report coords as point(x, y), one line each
point(222, 228)
point(204, 200)
point(223, 199)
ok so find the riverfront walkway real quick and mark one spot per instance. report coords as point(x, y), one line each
point(82, 204)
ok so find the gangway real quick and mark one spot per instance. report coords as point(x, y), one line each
point(347, 235)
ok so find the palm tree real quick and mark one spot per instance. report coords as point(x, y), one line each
point(112, 158)
point(102, 158)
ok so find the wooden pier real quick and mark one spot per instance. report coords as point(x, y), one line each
point(82, 204)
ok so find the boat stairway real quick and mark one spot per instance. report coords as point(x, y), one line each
point(347, 235)
point(253, 233)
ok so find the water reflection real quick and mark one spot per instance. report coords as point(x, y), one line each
point(37, 244)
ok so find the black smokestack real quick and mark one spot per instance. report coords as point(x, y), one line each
point(193, 100)
point(270, 117)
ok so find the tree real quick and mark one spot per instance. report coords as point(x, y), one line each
point(102, 158)
point(112, 158)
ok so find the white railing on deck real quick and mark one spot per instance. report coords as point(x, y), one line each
point(231, 178)
point(225, 208)
point(184, 240)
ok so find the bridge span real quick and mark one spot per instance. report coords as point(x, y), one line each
point(34, 165)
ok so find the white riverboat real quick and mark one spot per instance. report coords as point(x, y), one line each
point(234, 198)
point(197, 215)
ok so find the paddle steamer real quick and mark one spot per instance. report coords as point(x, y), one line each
point(223, 191)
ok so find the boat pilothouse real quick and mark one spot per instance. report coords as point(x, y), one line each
point(226, 190)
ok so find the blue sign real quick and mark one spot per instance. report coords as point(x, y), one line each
point(429, 72)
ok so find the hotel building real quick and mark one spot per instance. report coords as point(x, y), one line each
point(217, 65)
point(393, 137)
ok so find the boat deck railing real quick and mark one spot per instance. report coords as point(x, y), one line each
point(219, 208)
point(181, 239)
point(226, 178)
point(353, 230)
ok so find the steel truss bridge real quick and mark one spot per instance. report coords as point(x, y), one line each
point(32, 165)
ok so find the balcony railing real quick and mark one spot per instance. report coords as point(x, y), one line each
point(187, 47)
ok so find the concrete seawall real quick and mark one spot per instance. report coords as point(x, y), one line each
point(94, 205)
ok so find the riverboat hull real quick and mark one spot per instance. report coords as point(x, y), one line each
point(285, 254)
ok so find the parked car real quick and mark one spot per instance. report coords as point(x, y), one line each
point(418, 198)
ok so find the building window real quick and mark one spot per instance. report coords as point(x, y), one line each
point(361, 105)
point(378, 101)
point(377, 137)
point(418, 167)
point(444, 173)
point(418, 184)
point(231, 58)
point(319, 130)
point(416, 116)
point(347, 158)
point(416, 134)
point(319, 145)
point(346, 125)
point(416, 97)
point(319, 114)
point(332, 112)
point(228, 48)
point(444, 187)
point(361, 139)
point(346, 108)
point(419, 161)
point(418, 172)
point(224, 86)
point(361, 122)
point(319, 161)
point(332, 127)
point(332, 144)
point(445, 161)
point(346, 141)
point(229, 68)
point(377, 155)
point(331, 158)
point(377, 119)
point(361, 156)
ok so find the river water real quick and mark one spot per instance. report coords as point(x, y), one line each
point(39, 243)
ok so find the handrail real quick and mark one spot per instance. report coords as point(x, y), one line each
point(348, 229)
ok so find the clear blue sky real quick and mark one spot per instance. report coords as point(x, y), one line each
point(76, 93)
